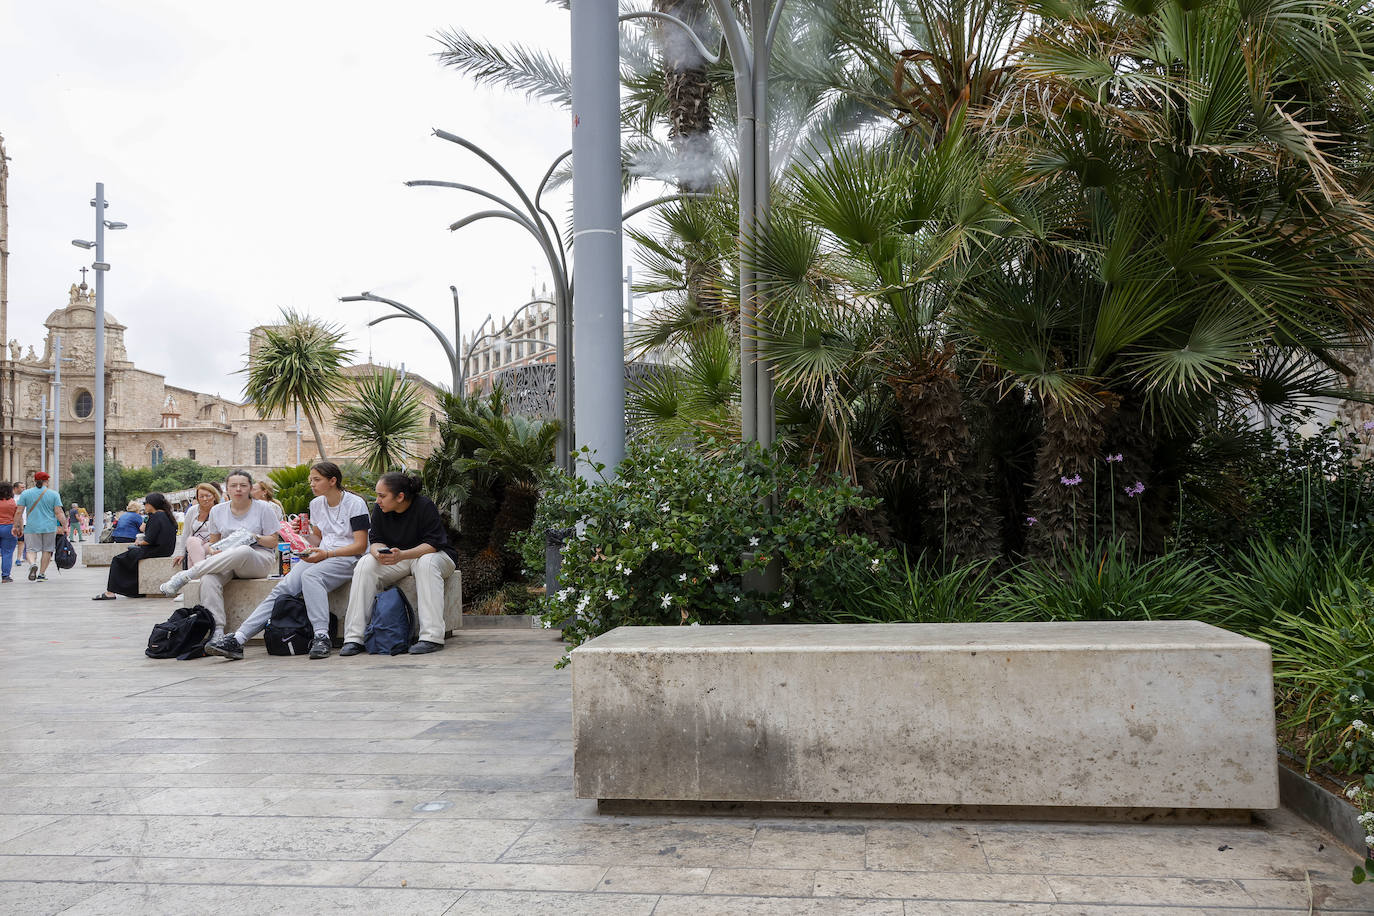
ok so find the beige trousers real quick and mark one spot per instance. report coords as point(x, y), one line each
point(370, 577)
point(243, 562)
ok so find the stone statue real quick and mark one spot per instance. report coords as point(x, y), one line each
point(32, 355)
point(15, 350)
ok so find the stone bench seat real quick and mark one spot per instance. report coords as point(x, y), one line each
point(241, 596)
point(1083, 715)
point(93, 554)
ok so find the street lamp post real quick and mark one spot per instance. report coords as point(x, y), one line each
point(43, 432)
point(100, 266)
point(405, 311)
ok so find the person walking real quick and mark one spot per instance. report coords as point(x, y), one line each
point(408, 538)
point(44, 518)
point(339, 537)
point(8, 509)
point(21, 549)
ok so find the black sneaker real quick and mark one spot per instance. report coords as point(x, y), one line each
point(320, 646)
point(227, 646)
point(33, 573)
point(351, 648)
point(424, 646)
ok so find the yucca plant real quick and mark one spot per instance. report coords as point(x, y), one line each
point(297, 363)
point(384, 422)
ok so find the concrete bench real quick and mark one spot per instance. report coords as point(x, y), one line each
point(241, 596)
point(93, 554)
point(152, 573)
point(1116, 715)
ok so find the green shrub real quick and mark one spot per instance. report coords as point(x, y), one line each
point(668, 539)
point(922, 592)
point(1110, 582)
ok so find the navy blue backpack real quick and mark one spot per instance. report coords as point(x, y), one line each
point(394, 628)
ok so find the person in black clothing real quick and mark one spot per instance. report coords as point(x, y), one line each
point(407, 539)
point(158, 539)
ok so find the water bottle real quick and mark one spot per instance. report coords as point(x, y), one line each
point(283, 559)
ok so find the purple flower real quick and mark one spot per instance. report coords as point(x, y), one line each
point(1031, 520)
point(1114, 458)
point(1368, 425)
point(1073, 481)
point(1136, 490)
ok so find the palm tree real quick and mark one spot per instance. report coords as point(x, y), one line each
point(385, 422)
point(297, 362)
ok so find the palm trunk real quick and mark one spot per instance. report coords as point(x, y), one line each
point(319, 440)
point(936, 431)
point(1066, 471)
point(688, 93)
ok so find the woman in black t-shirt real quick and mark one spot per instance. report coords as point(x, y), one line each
point(407, 538)
point(157, 540)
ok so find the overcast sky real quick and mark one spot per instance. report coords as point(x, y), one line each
point(256, 151)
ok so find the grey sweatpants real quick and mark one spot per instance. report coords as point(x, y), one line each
point(313, 582)
point(242, 562)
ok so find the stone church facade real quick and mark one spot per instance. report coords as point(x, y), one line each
point(148, 420)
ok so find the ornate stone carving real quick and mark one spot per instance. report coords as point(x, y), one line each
point(16, 350)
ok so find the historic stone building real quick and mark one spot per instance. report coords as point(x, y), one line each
point(148, 420)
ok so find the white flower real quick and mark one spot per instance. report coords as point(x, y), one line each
point(666, 600)
point(611, 595)
point(787, 604)
point(619, 568)
point(708, 497)
point(753, 542)
point(654, 545)
point(1358, 725)
point(1352, 791)
point(663, 507)
point(875, 564)
point(1349, 745)
point(737, 599)
point(546, 624)
point(626, 526)
point(682, 577)
point(713, 569)
point(1369, 840)
point(563, 594)
point(1366, 819)
point(1354, 699)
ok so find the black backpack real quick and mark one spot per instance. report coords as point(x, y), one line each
point(64, 554)
point(393, 627)
point(288, 629)
point(183, 635)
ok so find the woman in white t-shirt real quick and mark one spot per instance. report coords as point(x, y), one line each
point(338, 533)
point(242, 544)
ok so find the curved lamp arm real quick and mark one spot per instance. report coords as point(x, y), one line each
point(426, 183)
point(691, 32)
point(660, 200)
point(407, 312)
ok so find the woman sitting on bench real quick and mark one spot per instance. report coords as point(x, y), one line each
point(195, 531)
point(243, 544)
point(408, 539)
point(338, 533)
point(157, 540)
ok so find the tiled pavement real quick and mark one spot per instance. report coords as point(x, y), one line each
point(441, 785)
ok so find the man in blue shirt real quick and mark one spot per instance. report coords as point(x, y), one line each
point(44, 519)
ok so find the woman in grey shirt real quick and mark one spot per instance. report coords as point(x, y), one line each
point(242, 544)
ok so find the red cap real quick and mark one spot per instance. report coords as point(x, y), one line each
point(41, 475)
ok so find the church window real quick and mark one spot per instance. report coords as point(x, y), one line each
point(433, 420)
point(260, 449)
point(155, 454)
point(191, 453)
point(84, 404)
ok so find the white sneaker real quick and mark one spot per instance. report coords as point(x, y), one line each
point(174, 584)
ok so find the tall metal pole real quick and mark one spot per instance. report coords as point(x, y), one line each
point(459, 381)
point(43, 434)
point(598, 332)
point(98, 496)
point(761, 25)
point(56, 471)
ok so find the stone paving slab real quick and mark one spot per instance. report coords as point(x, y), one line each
point(442, 784)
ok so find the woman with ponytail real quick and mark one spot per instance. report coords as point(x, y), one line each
point(407, 539)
